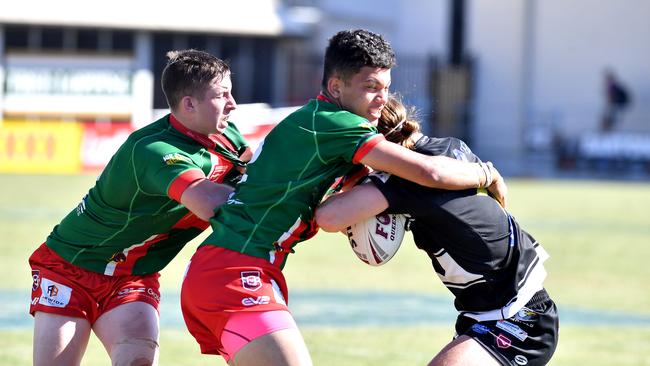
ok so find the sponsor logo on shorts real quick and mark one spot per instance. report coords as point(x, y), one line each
point(52, 290)
point(54, 294)
point(153, 294)
point(141, 290)
point(512, 329)
point(521, 360)
point(129, 290)
point(251, 280)
point(526, 315)
point(260, 300)
point(480, 328)
point(36, 279)
point(503, 341)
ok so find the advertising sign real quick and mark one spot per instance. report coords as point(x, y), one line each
point(39, 147)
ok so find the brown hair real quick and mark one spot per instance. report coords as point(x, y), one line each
point(398, 122)
point(190, 72)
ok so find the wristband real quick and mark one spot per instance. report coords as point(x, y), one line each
point(488, 175)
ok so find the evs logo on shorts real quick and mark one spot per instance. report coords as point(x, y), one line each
point(54, 294)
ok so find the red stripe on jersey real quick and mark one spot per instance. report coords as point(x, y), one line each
point(220, 167)
point(323, 98)
point(364, 149)
point(209, 141)
point(224, 142)
point(199, 137)
point(191, 220)
point(132, 254)
point(137, 251)
point(300, 231)
point(180, 184)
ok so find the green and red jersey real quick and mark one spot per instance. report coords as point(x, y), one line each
point(273, 206)
point(131, 222)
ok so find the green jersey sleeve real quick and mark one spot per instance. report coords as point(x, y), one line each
point(345, 136)
point(158, 164)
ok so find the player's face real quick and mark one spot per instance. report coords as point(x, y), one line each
point(214, 109)
point(366, 92)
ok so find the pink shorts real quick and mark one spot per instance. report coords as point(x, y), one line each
point(220, 283)
point(65, 289)
point(245, 326)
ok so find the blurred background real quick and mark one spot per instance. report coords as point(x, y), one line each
point(523, 82)
point(556, 93)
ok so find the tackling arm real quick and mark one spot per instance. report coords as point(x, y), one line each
point(344, 209)
point(203, 196)
point(435, 171)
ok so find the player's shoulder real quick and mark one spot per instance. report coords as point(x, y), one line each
point(331, 117)
point(447, 146)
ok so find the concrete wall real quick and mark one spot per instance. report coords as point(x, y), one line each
point(540, 64)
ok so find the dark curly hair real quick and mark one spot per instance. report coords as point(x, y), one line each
point(350, 50)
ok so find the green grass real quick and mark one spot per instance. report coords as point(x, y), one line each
point(598, 235)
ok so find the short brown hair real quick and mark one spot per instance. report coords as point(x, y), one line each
point(190, 72)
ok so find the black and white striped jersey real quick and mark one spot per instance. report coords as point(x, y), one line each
point(491, 265)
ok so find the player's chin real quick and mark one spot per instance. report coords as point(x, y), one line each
point(373, 116)
point(221, 126)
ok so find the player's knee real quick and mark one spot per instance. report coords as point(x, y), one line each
point(135, 352)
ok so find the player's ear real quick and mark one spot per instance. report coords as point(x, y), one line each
point(334, 84)
point(187, 104)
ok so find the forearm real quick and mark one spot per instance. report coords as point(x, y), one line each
point(202, 197)
point(447, 173)
point(344, 209)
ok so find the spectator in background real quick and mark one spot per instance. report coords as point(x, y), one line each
point(98, 268)
point(617, 99)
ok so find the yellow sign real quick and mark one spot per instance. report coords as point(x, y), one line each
point(40, 147)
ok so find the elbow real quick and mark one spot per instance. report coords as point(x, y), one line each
point(328, 221)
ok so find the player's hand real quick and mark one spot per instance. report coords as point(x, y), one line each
point(498, 189)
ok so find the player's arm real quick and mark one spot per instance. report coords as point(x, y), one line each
point(435, 171)
point(203, 196)
point(344, 209)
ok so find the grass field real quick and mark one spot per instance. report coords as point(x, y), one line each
point(598, 235)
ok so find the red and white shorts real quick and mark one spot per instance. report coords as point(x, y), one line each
point(221, 283)
point(65, 289)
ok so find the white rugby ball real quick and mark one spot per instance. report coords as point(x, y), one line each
point(376, 240)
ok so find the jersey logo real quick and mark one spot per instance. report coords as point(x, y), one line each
point(367, 125)
point(171, 159)
point(81, 207)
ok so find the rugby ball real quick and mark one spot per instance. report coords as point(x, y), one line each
point(376, 240)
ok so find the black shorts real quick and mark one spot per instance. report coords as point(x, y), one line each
point(527, 339)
